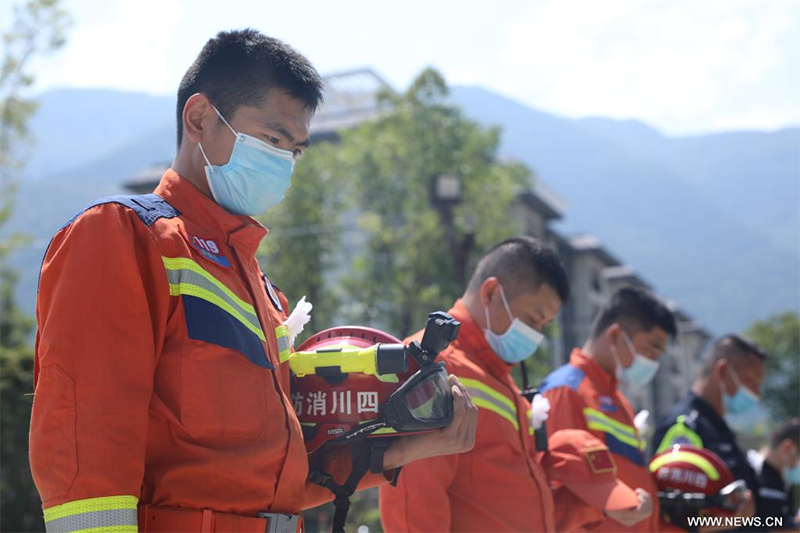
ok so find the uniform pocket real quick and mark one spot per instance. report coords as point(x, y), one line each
point(223, 395)
point(54, 451)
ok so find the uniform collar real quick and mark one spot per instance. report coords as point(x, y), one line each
point(472, 340)
point(604, 381)
point(242, 232)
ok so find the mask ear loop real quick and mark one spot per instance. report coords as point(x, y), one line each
point(226, 123)
point(223, 119)
point(204, 154)
point(629, 344)
point(505, 303)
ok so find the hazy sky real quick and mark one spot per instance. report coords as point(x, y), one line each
point(684, 66)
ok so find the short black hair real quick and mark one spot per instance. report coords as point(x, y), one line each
point(733, 348)
point(635, 309)
point(522, 262)
point(788, 430)
point(240, 67)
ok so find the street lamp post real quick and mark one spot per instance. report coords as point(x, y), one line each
point(446, 194)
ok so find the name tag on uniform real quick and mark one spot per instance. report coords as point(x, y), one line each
point(607, 404)
point(209, 249)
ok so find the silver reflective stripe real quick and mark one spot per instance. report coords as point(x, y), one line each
point(773, 494)
point(96, 519)
point(189, 277)
point(480, 394)
point(283, 343)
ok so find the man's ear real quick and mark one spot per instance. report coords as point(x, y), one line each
point(786, 446)
point(489, 290)
point(612, 333)
point(721, 373)
point(194, 113)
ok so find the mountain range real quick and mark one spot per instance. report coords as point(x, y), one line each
point(711, 221)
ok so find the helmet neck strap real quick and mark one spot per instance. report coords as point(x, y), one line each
point(367, 456)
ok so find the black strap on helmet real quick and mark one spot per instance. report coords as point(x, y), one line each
point(367, 456)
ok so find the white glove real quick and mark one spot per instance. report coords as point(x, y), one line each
point(640, 421)
point(540, 411)
point(298, 318)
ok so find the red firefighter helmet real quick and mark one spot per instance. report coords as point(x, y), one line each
point(695, 482)
point(353, 381)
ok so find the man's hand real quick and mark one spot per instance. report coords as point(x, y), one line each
point(634, 515)
point(458, 437)
point(746, 509)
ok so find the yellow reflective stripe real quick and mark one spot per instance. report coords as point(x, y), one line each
point(686, 457)
point(384, 431)
point(483, 396)
point(500, 397)
point(284, 346)
point(176, 289)
point(486, 404)
point(679, 432)
point(630, 430)
point(530, 424)
point(179, 263)
point(597, 421)
point(108, 503)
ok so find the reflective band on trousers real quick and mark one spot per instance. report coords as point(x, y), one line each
point(187, 277)
point(114, 513)
point(485, 397)
point(598, 421)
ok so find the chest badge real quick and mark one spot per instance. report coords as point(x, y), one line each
point(209, 249)
point(607, 404)
point(273, 296)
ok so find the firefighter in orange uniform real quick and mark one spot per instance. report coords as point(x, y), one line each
point(628, 335)
point(583, 476)
point(516, 290)
point(161, 402)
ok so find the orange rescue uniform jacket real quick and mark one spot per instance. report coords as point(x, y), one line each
point(499, 485)
point(584, 396)
point(157, 372)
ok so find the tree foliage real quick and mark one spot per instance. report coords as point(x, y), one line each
point(418, 251)
point(38, 27)
point(300, 253)
point(779, 335)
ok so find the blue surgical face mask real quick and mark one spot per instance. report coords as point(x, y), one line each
point(641, 371)
point(519, 341)
point(792, 475)
point(254, 179)
point(742, 401)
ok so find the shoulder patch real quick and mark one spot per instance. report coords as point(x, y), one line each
point(148, 207)
point(565, 376)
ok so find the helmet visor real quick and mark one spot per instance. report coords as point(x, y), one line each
point(423, 402)
point(429, 400)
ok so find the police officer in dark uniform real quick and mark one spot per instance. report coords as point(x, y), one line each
point(729, 382)
point(778, 468)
